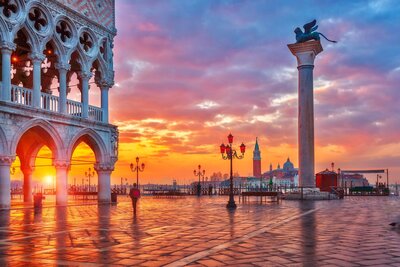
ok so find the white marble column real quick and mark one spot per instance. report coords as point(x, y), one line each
point(6, 51)
point(5, 182)
point(104, 182)
point(104, 101)
point(37, 60)
point(62, 168)
point(27, 171)
point(84, 79)
point(305, 54)
point(63, 69)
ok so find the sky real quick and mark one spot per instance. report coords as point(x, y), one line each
point(189, 72)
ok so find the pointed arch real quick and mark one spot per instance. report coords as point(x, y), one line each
point(45, 131)
point(3, 142)
point(4, 33)
point(93, 140)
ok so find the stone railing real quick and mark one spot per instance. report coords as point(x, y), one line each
point(74, 108)
point(24, 96)
point(21, 95)
point(49, 102)
point(95, 113)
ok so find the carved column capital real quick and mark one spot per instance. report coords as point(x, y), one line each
point(61, 164)
point(7, 47)
point(27, 170)
point(6, 160)
point(104, 84)
point(62, 66)
point(85, 75)
point(306, 52)
point(36, 57)
point(104, 167)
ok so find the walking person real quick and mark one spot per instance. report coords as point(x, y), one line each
point(134, 194)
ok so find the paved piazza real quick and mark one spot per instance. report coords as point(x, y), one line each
point(201, 232)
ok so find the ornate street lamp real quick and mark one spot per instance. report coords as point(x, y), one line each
point(89, 174)
point(137, 168)
point(200, 174)
point(228, 153)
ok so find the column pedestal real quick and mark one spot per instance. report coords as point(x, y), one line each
point(27, 184)
point(104, 182)
point(305, 54)
point(62, 168)
point(5, 182)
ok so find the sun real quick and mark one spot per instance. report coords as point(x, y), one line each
point(49, 179)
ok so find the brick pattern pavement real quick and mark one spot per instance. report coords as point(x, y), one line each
point(201, 232)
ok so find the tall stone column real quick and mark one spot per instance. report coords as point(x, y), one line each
point(6, 51)
point(5, 182)
point(305, 54)
point(62, 168)
point(104, 102)
point(84, 78)
point(37, 60)
point(104, 182)
point(27, 171)
point(62, 80)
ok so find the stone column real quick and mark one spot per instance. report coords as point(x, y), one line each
point(37, 60)
point(6, 51)
point(305, 54)
point(62, 168)
point(27, 171)
point(84, 79)
point(104, 101)
point(63, 69)
point(5, 182)
point(104, 182)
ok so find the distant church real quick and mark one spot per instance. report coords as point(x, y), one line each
point(288, 175)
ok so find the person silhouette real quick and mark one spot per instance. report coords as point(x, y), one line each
point(134, 194)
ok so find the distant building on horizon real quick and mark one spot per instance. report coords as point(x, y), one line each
point(256, 160)
point(286, 176)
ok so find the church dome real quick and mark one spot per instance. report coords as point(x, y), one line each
point(288, 165)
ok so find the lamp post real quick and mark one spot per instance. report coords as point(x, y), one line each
point(377, 179)
point(137, 168)
point(200, 174)
point(228, 153)
point(89, 174)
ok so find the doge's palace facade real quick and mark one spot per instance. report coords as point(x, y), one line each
point(44, 45)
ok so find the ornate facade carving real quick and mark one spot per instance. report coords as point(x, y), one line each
point(46, 20)
point(6, 160)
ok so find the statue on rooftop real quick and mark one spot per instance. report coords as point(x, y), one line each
point(309, 33)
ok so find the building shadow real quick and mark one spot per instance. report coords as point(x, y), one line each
point(105, 237)
point(231, 218)
point(4, 234)
point(62, 233)
point(308, 233)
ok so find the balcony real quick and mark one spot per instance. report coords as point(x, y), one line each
point(24, 96)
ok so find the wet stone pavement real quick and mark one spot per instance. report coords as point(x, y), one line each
point(201, 232)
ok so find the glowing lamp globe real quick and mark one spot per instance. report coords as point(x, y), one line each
point(242, 148)
point(222, 148)
point(230, 138)
point(228, 149)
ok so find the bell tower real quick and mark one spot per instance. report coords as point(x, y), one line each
point(256, 160)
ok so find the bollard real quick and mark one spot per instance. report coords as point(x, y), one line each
point(113, 197)
point(37, 200)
